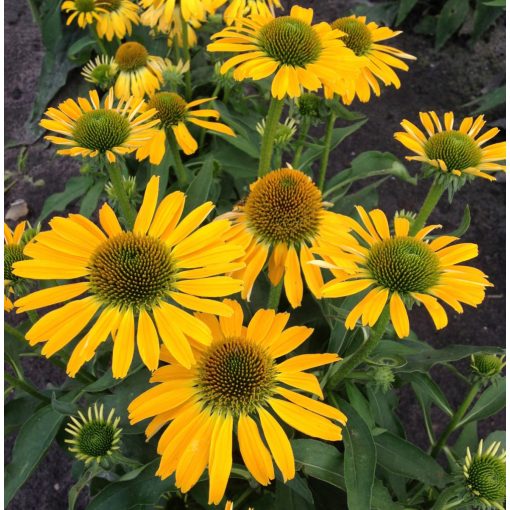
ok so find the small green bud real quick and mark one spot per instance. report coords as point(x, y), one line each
point(311, 105)
point(284, 133)
point(487, 366)
point(383, 378)
point(129, 185)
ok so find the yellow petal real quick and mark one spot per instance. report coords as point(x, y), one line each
point(146, 212)
point(147, 340)
point(220, 458)
point(124, 345)
point(399, 316)
point(292, 279)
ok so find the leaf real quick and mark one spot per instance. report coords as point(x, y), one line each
point(287, 497)
point(405, 459)
point(144, 489)
point(496, 3)
point(81, 49)
point(464, 224)
point(404, 8)
point(451, 17)
point(17, 411)
point(359, 460)
point(383, 407)
point(90, 200)
point(425, 385)
point(32, 443)
point(485, 16)
point(76, 187)
point(62, 407)
point(198, 191)
point(489, 101)
point(467, 437)
point(491, 401)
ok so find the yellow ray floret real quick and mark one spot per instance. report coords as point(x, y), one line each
point(282, 219)
point(397, 269)
point(460, 151)
point(174, 113)
point(237, 384)
point(13, 252)
point(246, 8)
point(132, 285)
point(298, 54)
point(89, 129)
point(85, 12)
point(118, 20)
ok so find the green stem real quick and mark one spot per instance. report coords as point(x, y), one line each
point(99, 42)
point(435, 192)
point(120, 194)
point(180, 170)
point(342, 370)
point(327, 149)
point(26, 387)
point(203, 132)
point(274, 296)
point(35, 12)
point(266, 148)
point(459, 414)
point(187, 58)
point(14, 332)
point(305, 126)
point(243, 497)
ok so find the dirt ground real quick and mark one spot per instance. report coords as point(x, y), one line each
point(442, 81)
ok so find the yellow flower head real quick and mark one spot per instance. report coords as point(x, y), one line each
point(246, 8)
point(85, 12)
point(402, 269)
point(281, 218)
point(118, 20)
point(237, 384)
point(452, 151)
point(136, 281)
point(174, 112)
point(13, 252)
point(139, 72)
point(91, 130)
point(364, 40)
point(298, 53)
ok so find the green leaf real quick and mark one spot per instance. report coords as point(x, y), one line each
point(89, 203)
point(467, 437)
point(359, 460)
point(491, 401)
point(464, 224)
point(17, 411)
point(198, 191)
point(405, 459)
point(286, 497)
point(404, 8)
point(76, 187)
point(423, 384)
point(360, 403)
point(485, 16)
point(496, 3)
point(489, 101)
point(451, 17)
point(319, 460)
point(145, 489)
point(81, 49)
point(383, 406)
point(62, 407)
point(32, 443)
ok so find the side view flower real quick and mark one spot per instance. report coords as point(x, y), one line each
point(246, 8)
point(282, 219)
point(118, 20)
point(136, 280)
point(13, 252)
point(401, 269)
point(458, 152)
point(85, 12)
point(88, 129)
point(236, 384)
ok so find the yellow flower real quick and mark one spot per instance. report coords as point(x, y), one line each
point(237, 384)
point(174, 112)
point(282, 218)
point(364, 40)
point(129, 277)
point(85, 12)
point(119, 19)
point(454, 151)
point(89, 130)
point(246, 8)
point(139, 72)
point(401, 269)
point(298, 53)
point(13, 252)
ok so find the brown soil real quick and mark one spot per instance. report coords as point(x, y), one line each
point(441, 81)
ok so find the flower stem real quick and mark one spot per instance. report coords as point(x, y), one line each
point(346, 367)
point(26, 387)
point(180, 170)
point(120, 194)
point(187, 57)
point(99, 42)
point(435, 192)
point(305, 126)
point(266, 148)
point(274, 296)
point(327, 149)
point(459, 414)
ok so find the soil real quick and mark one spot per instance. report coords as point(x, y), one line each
point(442, 81)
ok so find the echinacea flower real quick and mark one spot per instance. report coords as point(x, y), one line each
point(237, 384)
point(13, 252)
point(246, 8)
point(91, 130)
point(457, 152)
point(85, 12)
point(298, 53)
point(118, 20)
point(281, 219)
point(139, 72)
point(94, 439)
point(173, 112)
point(143, 276)
point(401, 269)
point(101, 71)
point(487, 366)
point(364, 39)
point(485, 476)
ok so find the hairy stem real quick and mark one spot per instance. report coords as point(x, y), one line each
point(266, 149)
